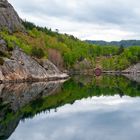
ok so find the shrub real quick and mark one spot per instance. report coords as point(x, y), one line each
point(1, 61)
point(2, 54)
point(37, 52)
point(55, 57)
point(5, 54)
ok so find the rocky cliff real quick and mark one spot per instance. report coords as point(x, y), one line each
point(20, 67)
point(9, 18)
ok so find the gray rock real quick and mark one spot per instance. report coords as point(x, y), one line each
point(53, 72)
point(50, 67)
point(22, 67)
point(9, 17)
point(12, 70)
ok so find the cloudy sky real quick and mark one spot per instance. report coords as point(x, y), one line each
point(86, 19)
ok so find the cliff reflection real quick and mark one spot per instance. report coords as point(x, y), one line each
point(14, 97)
point(22, 101)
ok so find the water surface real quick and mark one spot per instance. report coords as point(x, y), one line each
point(82, 108)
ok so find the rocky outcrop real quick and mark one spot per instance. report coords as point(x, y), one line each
point(21, 67)
point(52, 70)
point(133, 69)
point(9, 18)
point(50, 67)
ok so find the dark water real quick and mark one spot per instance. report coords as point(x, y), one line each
point(82, 108)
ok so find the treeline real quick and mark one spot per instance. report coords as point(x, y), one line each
point(66, 50)
point(129, 56)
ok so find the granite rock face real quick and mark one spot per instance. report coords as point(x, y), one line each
point(9, 17)
point(21, 67)
point(50, 67)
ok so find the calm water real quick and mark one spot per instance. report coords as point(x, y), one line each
point(82, 108)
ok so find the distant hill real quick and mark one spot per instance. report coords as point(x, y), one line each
point(124, 43)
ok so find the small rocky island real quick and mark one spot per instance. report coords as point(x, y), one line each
point(20, 67)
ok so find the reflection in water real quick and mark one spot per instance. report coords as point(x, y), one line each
point(14, 97)
point(82, 108)
point(134, 77)
point(95, 118)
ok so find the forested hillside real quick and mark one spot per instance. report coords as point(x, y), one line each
point(68, 52)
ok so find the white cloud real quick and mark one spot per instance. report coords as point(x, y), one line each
point(86, 19)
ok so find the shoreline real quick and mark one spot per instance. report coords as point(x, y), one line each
point(122, 72)
point(66, 76)
point(92, 71)
point(33, 80)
